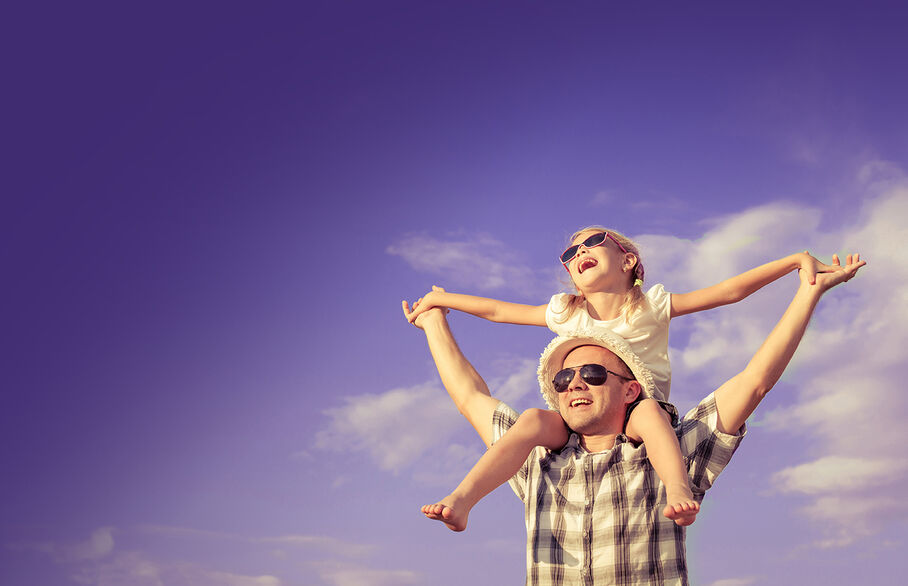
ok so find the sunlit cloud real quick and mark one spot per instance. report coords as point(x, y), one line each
point(136, 569)
point(842, 396)
point(478, 263)
point(839, 396)
point(394, 428)
point(343, 574)
point(98, 545)
point(321, 542)
point(94, 562)
point(416, 427)
point(746, 581)
point(838, 474)
point(518, 383)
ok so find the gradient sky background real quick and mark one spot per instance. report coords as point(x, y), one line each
point(212, 212)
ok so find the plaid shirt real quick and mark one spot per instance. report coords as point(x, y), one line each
point(597, 518)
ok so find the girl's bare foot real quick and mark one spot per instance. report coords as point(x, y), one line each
point(681, 507)
point(451, 511)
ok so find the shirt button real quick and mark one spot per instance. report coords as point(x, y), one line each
point(587, 501)
point(586, 534)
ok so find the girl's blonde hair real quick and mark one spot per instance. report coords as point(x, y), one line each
point(635, 300)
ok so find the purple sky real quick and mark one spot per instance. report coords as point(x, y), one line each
point(210, 216)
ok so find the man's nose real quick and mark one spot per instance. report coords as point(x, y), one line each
point(577, 381)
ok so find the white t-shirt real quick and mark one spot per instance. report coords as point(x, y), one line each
point(647, 332)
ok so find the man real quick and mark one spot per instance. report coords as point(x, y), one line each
point(593, 508)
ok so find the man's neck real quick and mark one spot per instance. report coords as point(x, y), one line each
point(598, 442)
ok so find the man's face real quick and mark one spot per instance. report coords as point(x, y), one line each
point(593, 409)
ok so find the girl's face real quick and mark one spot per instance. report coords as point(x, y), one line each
point(599, 268)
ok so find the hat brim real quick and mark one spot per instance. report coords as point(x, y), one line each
point(552, 360)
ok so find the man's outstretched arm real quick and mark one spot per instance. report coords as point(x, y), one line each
point(740, 395)
point(463, 383)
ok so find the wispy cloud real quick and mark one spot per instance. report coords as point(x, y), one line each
point(98, 545)
point(840, 394)
point(828, 474)
point(97, 561)
point(343, 574)
point(321, 542)
point(475, 263)
point(403, 427)
point(746, 581)
point(135, 569)
point(845, 404)
point(94, 562)
point(394, 428)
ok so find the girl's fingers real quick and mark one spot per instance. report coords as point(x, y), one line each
point(835, 260)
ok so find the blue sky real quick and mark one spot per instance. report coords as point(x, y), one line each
point(212, 213)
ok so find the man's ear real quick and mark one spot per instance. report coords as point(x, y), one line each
point(632, 392)
point(630, 261)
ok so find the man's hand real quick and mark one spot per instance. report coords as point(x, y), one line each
point(831, 275)
point(810, 266)
point(423, 305)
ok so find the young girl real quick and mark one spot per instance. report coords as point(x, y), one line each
point(607, 272)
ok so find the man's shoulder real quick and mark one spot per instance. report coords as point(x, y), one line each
point(699, 427)
point(503, 417)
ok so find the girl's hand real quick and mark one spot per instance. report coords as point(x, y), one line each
point(809, 266)
point(837, 273)
point(424, 303)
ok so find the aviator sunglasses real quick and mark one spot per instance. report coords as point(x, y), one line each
point(591, 374)
point(593, 241)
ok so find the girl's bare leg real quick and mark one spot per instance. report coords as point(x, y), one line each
point(534, 427)
point(650, 424)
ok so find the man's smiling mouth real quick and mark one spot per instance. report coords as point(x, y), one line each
point(580, 401)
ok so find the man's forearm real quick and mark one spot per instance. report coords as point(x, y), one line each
point(770, 361)
point(467, 389)
point(741, 395)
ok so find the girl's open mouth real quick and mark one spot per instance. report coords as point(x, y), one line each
point(586, 263)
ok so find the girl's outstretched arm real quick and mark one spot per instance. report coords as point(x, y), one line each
point(737, 288)
point(490, 309)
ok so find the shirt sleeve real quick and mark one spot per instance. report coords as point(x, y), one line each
point(502, 419)
point(555, 312)
point(706, 449)
point(660, 301)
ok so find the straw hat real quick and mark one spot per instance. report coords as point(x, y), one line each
point(552, 360)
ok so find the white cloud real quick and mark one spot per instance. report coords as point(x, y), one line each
point(604, 197)
point(415, 427)
point(135, 569)
point(341, 574)
point(479, 263)
point(98, 545)
point(845, 380)
point(322, 542)
point(841, 395)
point(325, 543)
point(746, 581)
point(838, 474)
point(395, 427)
point(519, 382)
point(448, 465)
